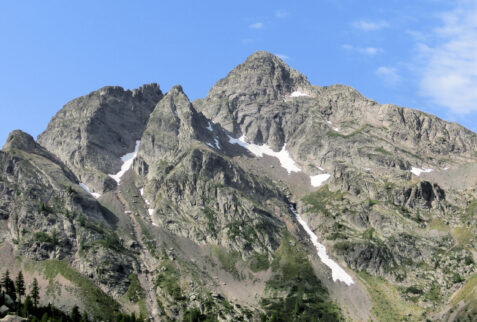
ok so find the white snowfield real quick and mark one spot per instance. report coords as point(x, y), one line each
point(418, 171)
point(319, 179)
point(283, 156)
point(209, 127)
point(298, 94)
point(337, 273)
point(259, 150)
point(94, 194)
point(128, 161)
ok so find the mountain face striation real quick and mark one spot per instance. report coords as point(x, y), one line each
point(270, 199)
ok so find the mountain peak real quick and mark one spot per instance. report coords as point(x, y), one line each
point(18, 139)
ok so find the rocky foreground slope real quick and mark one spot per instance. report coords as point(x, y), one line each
point(268, 199)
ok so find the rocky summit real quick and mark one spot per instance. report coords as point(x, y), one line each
point(271, 199)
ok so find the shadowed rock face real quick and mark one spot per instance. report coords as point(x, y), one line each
point(92, 132)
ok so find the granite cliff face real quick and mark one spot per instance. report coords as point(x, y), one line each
point(92, 132)
point(269, 198)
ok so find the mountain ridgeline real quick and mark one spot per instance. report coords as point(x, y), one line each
point(270, 199)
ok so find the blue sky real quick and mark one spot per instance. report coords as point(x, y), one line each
point(419, 54)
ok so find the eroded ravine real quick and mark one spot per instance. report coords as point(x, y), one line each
point(147, 264)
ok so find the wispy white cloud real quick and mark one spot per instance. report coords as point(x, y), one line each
point(449, 73)
point(257, 25)
point(369, 51)
point(281, 14)
point(282, 57)
point(389, 75)
point(370, 25)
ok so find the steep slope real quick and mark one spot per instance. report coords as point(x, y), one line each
point(92, 132)
point(194, 191)
point(58, 231)
point(382, 205)
point(269, 199)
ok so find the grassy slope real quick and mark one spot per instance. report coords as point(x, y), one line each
point(388, 305)
point(98, 303)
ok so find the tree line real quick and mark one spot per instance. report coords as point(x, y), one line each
point(15, 300)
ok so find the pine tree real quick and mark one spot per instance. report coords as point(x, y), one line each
point(75, 314)
point(20, 286)
point(8, 285)
point(35, 293)
point(5, 278)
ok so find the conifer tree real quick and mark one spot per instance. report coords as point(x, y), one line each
point(20, 286)
point(75, 314)
point(35, 293)
point(8, 285)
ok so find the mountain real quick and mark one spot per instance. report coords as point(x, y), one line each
point(269, 199)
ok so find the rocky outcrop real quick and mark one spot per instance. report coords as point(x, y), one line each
point(204, 225)
point(91, 133)
point(51, 217)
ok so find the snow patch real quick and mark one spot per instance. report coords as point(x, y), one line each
point(446, 168)
point(142, 195)
point(150, 211)
point(209, 127)
point(259, 150)
point(337, 273)
point(217, 144)
point(321, 168)
point(127, 163)
point(418, 171)
point(94, 194)
point(318, 180)
point(329, 122)
point(298, 94)
point(337, 129)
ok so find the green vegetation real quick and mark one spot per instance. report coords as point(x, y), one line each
point(468, 294)
point(147, 239)
point(471, 210)
point(382, 151)
point(44, 208)
point(258, 262)
point(438, 224)
point(135, 291)
point(295, 293)
point(99, 303)
point(211, 221)
point(434, 293)
point(319, 199)
point(332, 133)
point(168, 279)
point(388, 305)
point(462, 235)
point(244, 230)
point(228, 260)
point(43, 237)
point(33, 312)
point(369, 233)
point(372, 202)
